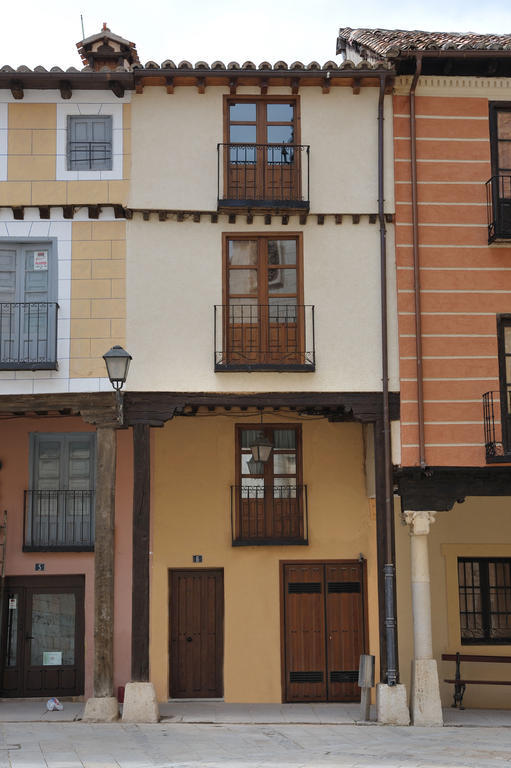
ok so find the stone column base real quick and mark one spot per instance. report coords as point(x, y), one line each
point(140, 705)
point(101, 710)
point(425, 705)
point(391, 706)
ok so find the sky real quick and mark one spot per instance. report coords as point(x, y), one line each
point(228, 30)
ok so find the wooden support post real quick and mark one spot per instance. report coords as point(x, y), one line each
point(140, 585)
point(106, 437)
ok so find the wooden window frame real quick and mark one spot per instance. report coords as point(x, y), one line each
point(485, 600)
point(503, 322)
point(264, 237)
point(261, 139)
point(268, 475)
point(495, 108)
point(70, 163)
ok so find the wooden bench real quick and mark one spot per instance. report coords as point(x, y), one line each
point(460, 684)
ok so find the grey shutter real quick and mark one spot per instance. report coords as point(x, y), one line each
point(90, 143)
point(8, 311)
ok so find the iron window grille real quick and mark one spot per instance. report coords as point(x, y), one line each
point(28, 335)
point(59, 520)
point(485, 600)
point(269, 515)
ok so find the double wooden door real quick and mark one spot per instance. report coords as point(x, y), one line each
point(324, 630)
point(196, 633)
point(43, 636)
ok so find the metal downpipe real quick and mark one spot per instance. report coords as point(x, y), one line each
point(389, 570)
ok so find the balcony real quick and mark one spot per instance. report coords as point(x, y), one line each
point(28, 336)
point(498, 205)
point(272, 177)
point(264, 337)
point(496, 430)
point(269, 515)
point(59, 521)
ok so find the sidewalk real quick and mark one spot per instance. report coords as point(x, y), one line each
point(218, 712)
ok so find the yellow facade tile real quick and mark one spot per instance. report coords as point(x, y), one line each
point(108, 230)
point(118, 330)
point(49, 192)
point(35, 116)
point(81, 269)
point(44, 142)
point(87, 192)
point(80, 348)
point(15, 193)
point(110, 268)
point(82, 230)
point(90, 249)
point(90, 329)
point(91, 289)
point(98, 347)
point(19, 143)
point(108, 308)
point(119, 249)
point(126, 167)
point(119, 289)
point(126, 115)
point(118, 192)
point(86, 367)
point(31, 168)
point(126, 142)
point(80, 308)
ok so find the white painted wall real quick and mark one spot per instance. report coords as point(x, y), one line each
point(175, 137)
point(175, 278)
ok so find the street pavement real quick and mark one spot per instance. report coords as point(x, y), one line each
point(55, 744)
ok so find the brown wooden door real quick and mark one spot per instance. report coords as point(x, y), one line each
point(196, 633)
point(43, 637)
point(323, 631)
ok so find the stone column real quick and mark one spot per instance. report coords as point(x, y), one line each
point(425, 705)
point(103, 707)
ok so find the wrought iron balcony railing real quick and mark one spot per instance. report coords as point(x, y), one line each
point(264, 337)
point(28, 335)
point(498, 206)
point(269, 515)
point(90, 155)
point(496, 438)
point(59, 520)
point(271, 176)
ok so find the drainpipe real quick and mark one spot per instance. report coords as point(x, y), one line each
point(416, 266)
point(388, 569)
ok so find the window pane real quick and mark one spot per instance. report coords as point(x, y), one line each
point(53, 629)
point(508, 369)
point(243, 134)
point(245, 311)
point(284, 464)
point(284, 438)
point(284, 488)
point(282, 310)
point(504, 155)
point(281, 281)
point(244, 112)
point(279, 113)
point(243, 281)
point(507, 338)
point(280, 134)
point(243, 252)
point(11, 641)
point(248, 436)
point(282, 252)
point(504, 124)
point(245, 469)
point(252, 488)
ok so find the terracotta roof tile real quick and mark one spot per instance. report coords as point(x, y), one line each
point(390, 43)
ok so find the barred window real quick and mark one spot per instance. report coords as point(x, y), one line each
point(485, 600)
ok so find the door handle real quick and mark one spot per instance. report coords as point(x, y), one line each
point(330, 637)
point(189, 639)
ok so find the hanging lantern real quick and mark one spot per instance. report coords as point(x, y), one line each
point(261, 448)
point(255, 467)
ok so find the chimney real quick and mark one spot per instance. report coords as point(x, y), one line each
point(106, 50)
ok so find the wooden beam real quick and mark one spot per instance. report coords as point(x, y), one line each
point(285, 219)
point(16, 87)
point(145, 215)
point(201, 84)
point(233, 84)
point(263, 86)
point(389, 218)
point(106, 449)
point(303, 218)
point(44, 211)
point(214, 218)
point(267, 218)
point(250, 218)
point(139, 88)
point(295, 85)
point(321, 218)
point(372, 218)
point(355, 218)
point(355, 86)
point(119, 212)
point(232, 218)
point(325, 85)
point(162, 215)
point(180, 216)
point(67, 211)
point(140, 566)
point(169, 84)
point(94, 211)
point(18, 212)
point(65, 89)
point(117, 88)
point(338, 218)
point(196, 217)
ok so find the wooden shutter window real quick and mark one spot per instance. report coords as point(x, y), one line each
point(89, 143)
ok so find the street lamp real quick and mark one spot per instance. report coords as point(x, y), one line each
point(117, 362)
point(261, 446)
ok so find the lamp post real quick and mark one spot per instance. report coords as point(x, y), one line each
point(117, 362)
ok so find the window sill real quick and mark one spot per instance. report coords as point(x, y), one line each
point(268, 367)
point(66, 548)
point(270, 543)
point(41, 366)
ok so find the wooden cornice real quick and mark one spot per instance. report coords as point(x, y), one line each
point(155, 408)
point(439, 488)
point(94, 407)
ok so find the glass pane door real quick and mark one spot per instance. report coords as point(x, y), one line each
point(52, 641)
